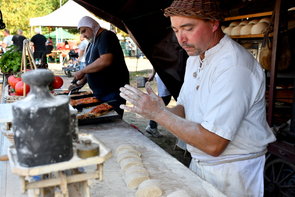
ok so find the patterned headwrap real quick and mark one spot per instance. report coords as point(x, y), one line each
point(204, 9)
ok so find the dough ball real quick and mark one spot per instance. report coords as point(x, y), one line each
point(128, 162)
point(149, 188)
point(179, 193)
point(128, 151)
point(136, 168)
point(259, 28)
point(135, 178)
point(124, 146)
point(228, 30)
point(234, 23)
point(126, 155)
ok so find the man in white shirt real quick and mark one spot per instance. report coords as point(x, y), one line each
point(7, 41)
point(82, 51)
point(220, 111)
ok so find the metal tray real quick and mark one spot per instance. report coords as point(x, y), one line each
point(75, 95)
point(110, 116)
point(81, 106)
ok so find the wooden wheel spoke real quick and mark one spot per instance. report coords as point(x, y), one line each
point(279, 172)
point(287, 176)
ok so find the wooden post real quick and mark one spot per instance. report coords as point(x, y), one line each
point(273, 69)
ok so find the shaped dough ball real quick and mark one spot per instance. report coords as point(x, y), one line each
point(243, 23)
point(128, 162)
point(227, 30)
point(236, 31)
point(149, 188)
point(246, 30)
point(259, 28)
point(254, 21)
point(125, 155)
point(124, 146)
point(128, 151)
point(179, 193)
point(265, 20)
point(136, 168)
point(135, 178)
point(234, 23)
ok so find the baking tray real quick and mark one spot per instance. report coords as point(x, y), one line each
point(81, 106)
point(110, 116)
point(73, 95)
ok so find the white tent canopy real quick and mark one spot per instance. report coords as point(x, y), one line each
point(66, 16)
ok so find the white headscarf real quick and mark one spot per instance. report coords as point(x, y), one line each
point(87, 21)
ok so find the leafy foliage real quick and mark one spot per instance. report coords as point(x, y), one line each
point(17, 13)
point(10, 61)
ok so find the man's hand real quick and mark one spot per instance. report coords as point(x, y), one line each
point(79, 75)
point(148, 105)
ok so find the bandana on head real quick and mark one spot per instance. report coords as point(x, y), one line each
point(87, 21)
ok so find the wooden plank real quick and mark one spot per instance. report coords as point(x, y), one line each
point(261, 14)
point(58, 181)
point(251, 36)
point(75, 162)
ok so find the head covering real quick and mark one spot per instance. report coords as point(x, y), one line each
point(204, 9)
point(87, 21)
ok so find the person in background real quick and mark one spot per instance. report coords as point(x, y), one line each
point(82, 49)
point(7, 41)
point(105, 70)
point(49, 42)
point(164, 93)
point(49, 48)
point(18, 39)
point(221, 109)
point(39, 48)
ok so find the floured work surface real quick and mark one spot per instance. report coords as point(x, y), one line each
point(172, 174)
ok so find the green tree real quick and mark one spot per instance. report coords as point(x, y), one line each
point(17, 13)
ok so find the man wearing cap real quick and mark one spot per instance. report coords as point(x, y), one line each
point(220, 111)
point(105, 70)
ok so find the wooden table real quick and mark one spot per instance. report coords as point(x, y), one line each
point(160, 165)
point(172, 174)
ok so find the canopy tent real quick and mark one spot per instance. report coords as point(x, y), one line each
point(67, 15)
point(59, 32)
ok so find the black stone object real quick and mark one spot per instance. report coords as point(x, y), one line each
point(41, 123)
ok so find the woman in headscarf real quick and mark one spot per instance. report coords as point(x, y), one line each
point(105, 70)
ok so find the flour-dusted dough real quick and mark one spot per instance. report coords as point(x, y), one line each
point(124, 146)
point(136, 168)
point(149, 188)
point(125, 155)
point(135, 178)
point(128, 162)
point(179, 193)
